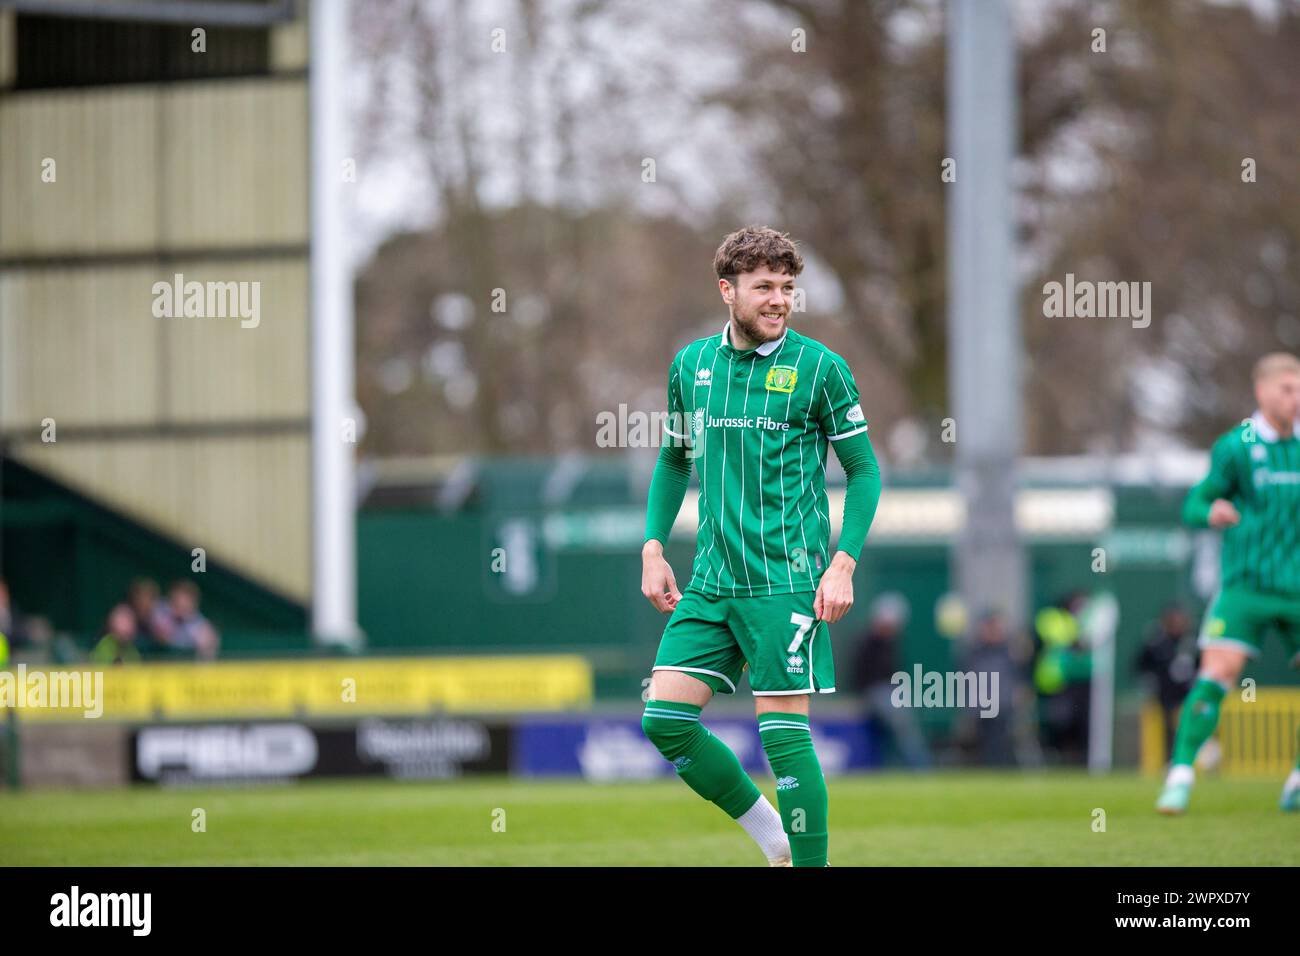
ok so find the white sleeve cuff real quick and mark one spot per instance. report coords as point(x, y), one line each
point(856, 431)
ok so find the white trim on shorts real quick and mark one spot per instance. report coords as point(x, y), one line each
point(696, 670)
point(1205, 641)
point(787, 693)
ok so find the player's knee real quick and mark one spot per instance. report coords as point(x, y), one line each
point(1222, 665)
point(1224, 674)
point(1225, 677)
point(671, 735)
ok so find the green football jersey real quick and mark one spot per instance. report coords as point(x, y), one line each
point(1258, 470)
point(757, 425)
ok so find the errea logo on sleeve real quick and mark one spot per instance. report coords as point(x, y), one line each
point(854, 414)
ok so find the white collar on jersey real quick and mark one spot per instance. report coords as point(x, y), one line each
point(767, 348)
point(1266, 431)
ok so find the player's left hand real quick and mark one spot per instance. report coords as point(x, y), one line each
point(835, 592)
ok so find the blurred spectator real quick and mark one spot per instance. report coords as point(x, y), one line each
point(1170, 660)
point(118, 645)
point(12, 625)
point(1063, 678)
point(990, 653)
point(181, 627)
point(149, 614)
point(29, 637)
point(874, 667)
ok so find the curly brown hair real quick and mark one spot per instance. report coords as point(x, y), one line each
point(747, 249)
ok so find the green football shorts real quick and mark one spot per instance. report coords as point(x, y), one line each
point(713, 638)
point(1242, 619)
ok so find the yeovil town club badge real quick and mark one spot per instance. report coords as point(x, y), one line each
point(781, 378)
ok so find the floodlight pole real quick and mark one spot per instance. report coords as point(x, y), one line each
point(983, 326)
point(334, 576)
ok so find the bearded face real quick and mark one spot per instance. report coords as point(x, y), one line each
point(761, 305)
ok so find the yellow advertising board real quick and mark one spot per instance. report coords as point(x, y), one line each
point(1256, 735)
point(302, 688)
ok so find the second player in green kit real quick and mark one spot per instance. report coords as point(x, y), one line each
point(1252, 491)
point(753, 410)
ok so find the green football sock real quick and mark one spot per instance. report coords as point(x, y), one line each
point(1199, 717)
point(800, 786)
point(704, 762)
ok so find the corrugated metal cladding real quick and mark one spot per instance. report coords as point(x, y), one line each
point(101, 356)
point(127, 159)
point(242, 499)
point(138, 169)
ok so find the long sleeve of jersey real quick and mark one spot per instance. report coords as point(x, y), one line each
point(862, 493)
point(667, 490)
point(1221, 482)
point(673, 469)
point(844, 425)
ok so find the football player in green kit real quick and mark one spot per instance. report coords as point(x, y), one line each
point(1253, 493)
point(755, 407)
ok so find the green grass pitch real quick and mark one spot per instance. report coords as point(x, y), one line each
point(876, 820)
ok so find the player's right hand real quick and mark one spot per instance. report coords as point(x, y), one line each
point(657, 581)
point(1224, 514)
